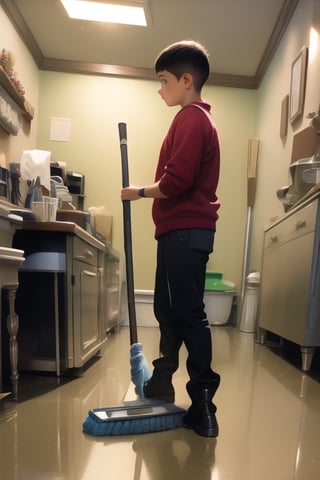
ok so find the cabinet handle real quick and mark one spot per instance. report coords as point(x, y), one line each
point(300, 224)
point(89, 274)
point(274, 239)
point(87, 253)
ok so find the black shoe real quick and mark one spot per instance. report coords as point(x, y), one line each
point(201, 418)
point(160, 389)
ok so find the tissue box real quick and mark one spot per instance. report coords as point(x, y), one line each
point(102, 221)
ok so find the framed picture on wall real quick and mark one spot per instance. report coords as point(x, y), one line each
point(298, 84)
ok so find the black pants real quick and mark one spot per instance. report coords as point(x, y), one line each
point(182, 257)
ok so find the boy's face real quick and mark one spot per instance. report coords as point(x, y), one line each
point(172, 90)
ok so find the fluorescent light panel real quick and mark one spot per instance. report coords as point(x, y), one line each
point(106, 12)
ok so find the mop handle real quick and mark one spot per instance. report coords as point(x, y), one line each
point(127, 235)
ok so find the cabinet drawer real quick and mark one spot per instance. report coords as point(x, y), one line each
point(84, 252)
point(292, 226)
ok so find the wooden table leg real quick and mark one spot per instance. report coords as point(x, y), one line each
point(13, 327)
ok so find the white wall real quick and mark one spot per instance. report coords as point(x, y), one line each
point(28, 74)
point(275, 154)
point(95, 105)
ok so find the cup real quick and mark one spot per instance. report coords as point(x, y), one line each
point(45, 211)
point(38, 208)
point(51, 205)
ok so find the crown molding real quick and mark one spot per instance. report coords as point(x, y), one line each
point(22, 29)
point(70, 66)
point(218, 79)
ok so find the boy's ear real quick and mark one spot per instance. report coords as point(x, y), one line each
point(188, 80)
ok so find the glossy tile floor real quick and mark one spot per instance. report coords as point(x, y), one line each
point(268, 411)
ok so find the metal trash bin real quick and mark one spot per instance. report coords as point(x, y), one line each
point(249, 312)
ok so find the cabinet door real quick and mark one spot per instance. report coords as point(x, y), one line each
point(284, 303)
point(85, 312)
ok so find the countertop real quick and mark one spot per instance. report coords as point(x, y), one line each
point(313, 194)
point(57, 226)
point(66, 227)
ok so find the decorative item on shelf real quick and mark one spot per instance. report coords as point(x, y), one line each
point(7, 61)
point(315, 120)
point(9, 81)
point(10, 114)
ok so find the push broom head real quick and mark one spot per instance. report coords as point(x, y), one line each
point(133, 420)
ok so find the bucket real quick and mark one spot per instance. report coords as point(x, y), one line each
point(218, 298)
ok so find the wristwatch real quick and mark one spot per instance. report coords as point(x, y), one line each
point(141, 192)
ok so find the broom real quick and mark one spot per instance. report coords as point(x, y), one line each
point(150, 416)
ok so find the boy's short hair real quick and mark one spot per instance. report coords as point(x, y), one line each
point(182, 57)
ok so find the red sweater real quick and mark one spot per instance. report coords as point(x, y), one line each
point(188, 170)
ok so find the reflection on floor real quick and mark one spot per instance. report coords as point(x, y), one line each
point(268, 412)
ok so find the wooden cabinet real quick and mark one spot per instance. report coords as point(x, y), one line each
point(290, 280)
point(59, 300)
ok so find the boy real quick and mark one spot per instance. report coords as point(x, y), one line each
point(184, 212)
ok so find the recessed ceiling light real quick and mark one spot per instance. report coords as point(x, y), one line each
point(128, 13)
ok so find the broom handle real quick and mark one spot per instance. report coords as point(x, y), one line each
point(127, 235)
point(253, 151)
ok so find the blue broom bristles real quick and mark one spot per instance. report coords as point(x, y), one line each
point(139, 418)
point(153, 423)
point(140, 371)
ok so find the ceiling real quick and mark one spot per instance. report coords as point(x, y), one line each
point(240, 35)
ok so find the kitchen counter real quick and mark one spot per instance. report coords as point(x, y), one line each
point(60, 299)
point(313, 194)
point(68, 297)
point(14, 221)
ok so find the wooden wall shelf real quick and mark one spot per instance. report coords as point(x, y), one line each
point(23, 104)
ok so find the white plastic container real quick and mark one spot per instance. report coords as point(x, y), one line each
point(218, 298)
point(143, 306)
point(249, 312)
point(218, 306)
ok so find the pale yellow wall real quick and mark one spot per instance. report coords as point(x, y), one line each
point(234, 112)
point(95, 105)
point(275, 154)
point(28, 74)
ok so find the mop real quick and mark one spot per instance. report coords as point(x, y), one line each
point(140, 372)
point(147, 415)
